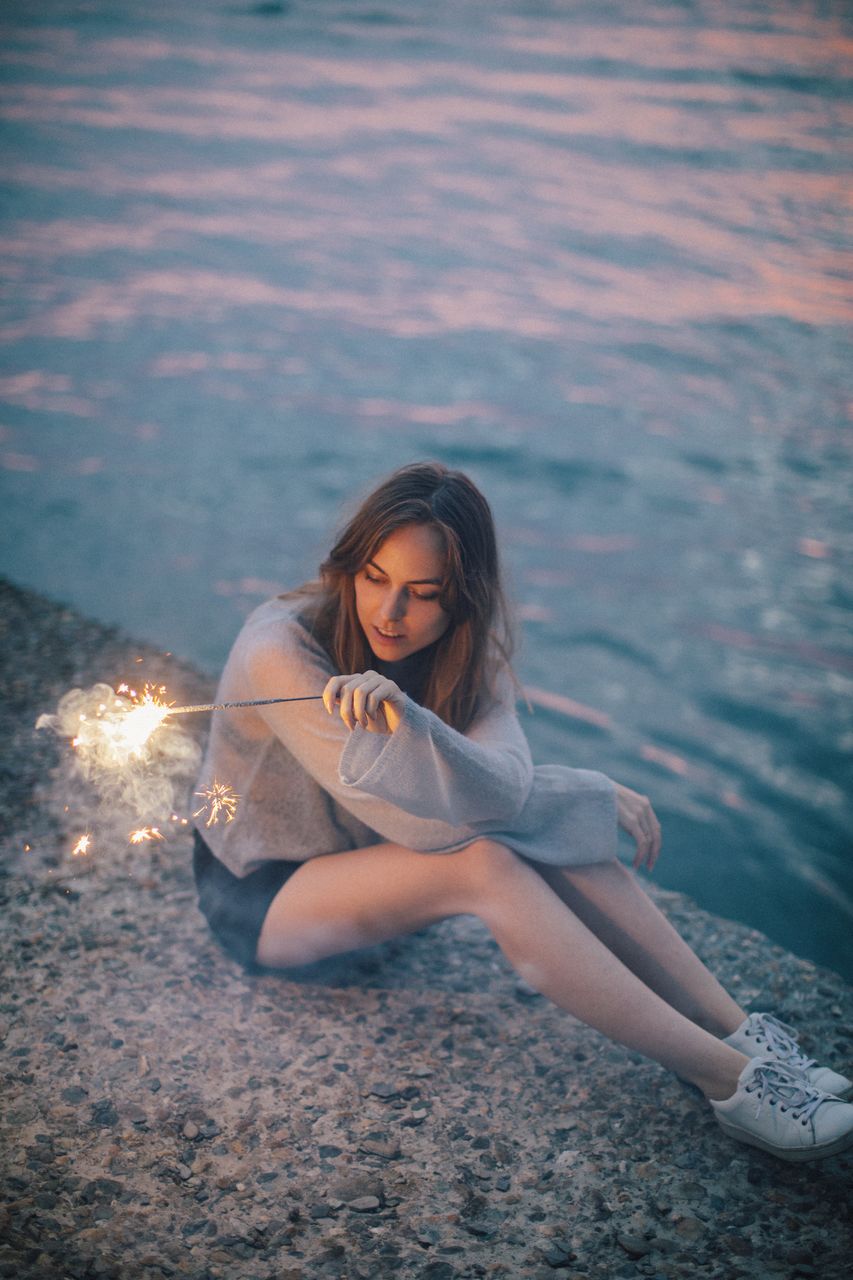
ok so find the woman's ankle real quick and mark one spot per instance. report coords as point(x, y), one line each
point(722, 1084)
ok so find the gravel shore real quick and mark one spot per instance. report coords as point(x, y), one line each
point(413, 1111)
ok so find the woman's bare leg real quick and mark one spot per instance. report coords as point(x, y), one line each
point(345, 901)
point(611, 901)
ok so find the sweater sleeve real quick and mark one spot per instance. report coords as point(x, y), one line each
point(288, 664)
point(549, 813)
point(432, 770)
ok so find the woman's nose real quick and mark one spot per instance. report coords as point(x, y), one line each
point(394, 605)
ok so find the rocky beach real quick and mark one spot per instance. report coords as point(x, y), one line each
point(412, 1111)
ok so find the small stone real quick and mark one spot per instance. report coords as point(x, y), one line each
point(633, 1245)
point(738, 1245)
point(384, 1091)
point(364, 1204)
point(379, 1144)
point(190, 1130)
point(421, 1072)
point(104, 1113)
point(555, 1256)
point(184, 1172)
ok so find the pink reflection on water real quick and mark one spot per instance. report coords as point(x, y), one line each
point(436, 414)
point(669, 759)
point(820, 45)
point(567, 706)
point(19, 462)
point(814, 547)
point(45, 392)
point(247, 587)
point(801, 650)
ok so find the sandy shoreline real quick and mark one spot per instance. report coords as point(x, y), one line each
point(411, 1111)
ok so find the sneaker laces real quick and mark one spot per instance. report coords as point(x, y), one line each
point(777, 1082)
point(781, 1040)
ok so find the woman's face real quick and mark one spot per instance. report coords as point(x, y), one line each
point(396, 593)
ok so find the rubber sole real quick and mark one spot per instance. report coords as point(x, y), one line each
point(796, 1155)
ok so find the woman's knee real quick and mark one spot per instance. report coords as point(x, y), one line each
point(489, 864)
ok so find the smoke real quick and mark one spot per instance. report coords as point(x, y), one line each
point(136, 761)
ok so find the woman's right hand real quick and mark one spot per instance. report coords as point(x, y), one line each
point(368, 699)
point(638, 818)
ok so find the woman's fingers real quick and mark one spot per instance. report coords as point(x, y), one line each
point(638, 818)
point(360, 699)
point(330, 693)
point(367, 700)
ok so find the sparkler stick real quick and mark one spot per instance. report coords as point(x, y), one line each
point(253, 702)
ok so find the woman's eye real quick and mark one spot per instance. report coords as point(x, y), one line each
point(417, 594)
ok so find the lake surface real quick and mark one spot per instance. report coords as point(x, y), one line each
point(594, 255)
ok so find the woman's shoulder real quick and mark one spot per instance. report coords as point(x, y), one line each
point(282, 623)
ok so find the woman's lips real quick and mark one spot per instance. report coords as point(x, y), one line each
point(387, 639)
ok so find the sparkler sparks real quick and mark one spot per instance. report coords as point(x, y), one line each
point(219, 799)
point(136, 764)
point(144, 834)
point(131, 766)
point(117, 730)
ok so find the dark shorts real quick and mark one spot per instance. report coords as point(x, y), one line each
point(235, 908)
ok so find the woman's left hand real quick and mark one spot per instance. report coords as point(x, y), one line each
point(368, 699)
point(637, 817)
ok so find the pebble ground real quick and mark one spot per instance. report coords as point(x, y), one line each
point(411, 1111)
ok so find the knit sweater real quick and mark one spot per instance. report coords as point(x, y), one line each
point(308, 785)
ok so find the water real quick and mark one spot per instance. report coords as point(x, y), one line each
point(256, 256)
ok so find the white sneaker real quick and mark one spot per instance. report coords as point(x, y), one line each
point(775, 1108)
point(763, 1034)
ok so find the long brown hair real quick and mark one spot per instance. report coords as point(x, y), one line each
point(480, 635)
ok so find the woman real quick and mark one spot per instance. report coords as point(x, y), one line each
point(408, 795)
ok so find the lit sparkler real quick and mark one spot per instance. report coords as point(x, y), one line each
point(219, 799)
point(119, 732)
point(111, 731)
point(126, 729)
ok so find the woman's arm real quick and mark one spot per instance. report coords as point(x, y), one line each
point(483, 775)
point(452, 787)
point(411, 797)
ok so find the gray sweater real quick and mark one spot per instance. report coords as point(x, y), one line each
point(308, 785)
